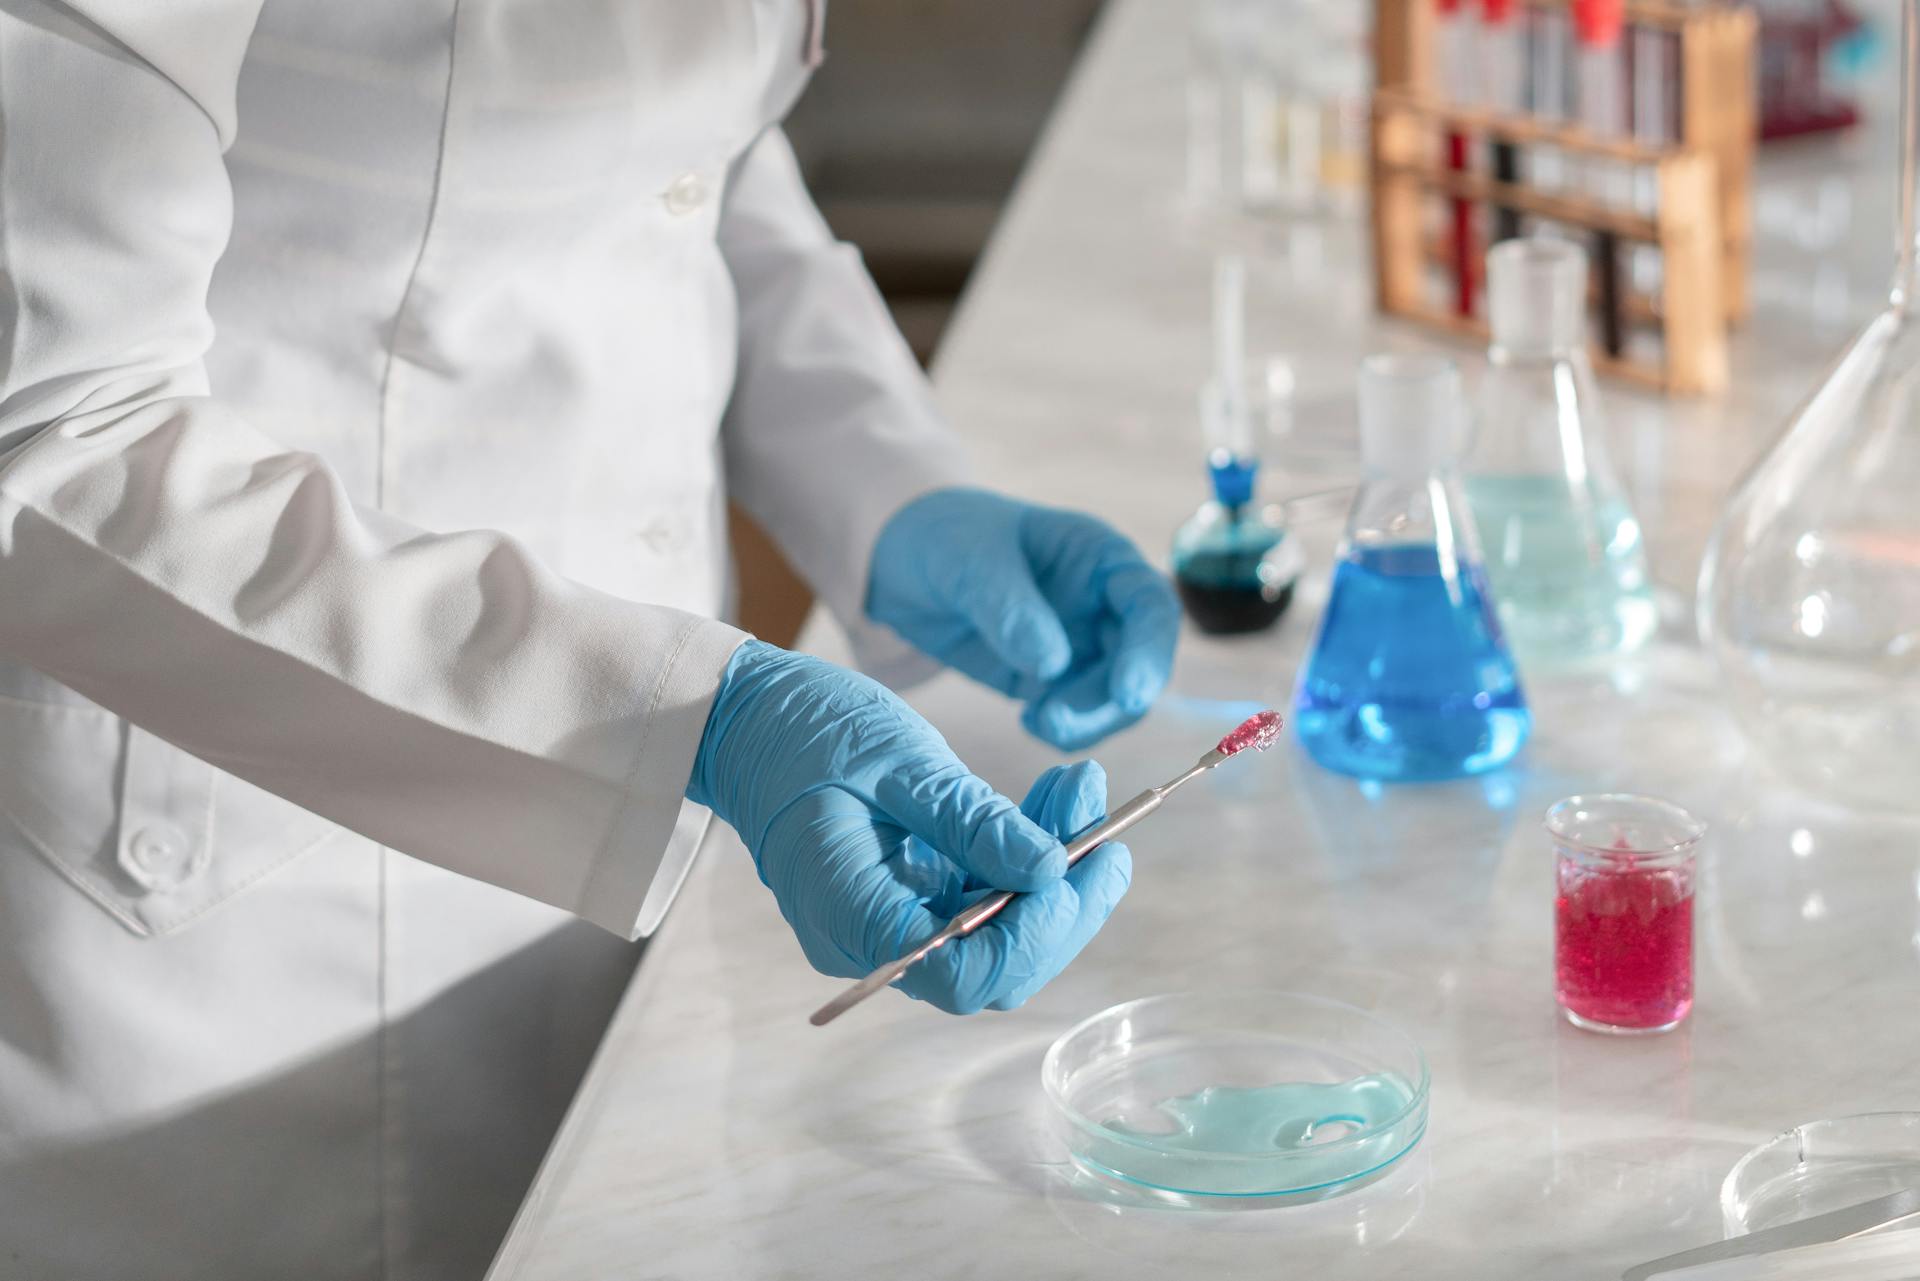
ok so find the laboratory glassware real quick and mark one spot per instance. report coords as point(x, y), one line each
point(1810, 591)
point(1339, 73)
point(1246, 95)
point(1601, 84)
point(1876, 1256)
point(1410, 677)
point(1656, 80)
point(1237, 1094)
point(1823, 1166)
point(1549, 53)
point(1233, 562)
point(1564, 552)
point(1623, 911)
point(1257, 732)
point(1502, 67)
point(1454, 37)
point(1800, 1250)
point(1231, 100)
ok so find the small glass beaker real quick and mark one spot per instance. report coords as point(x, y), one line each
point(1623, 911)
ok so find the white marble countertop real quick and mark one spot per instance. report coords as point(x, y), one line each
point(720, 1136)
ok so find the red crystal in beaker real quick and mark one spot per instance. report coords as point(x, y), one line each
point(1623, 944)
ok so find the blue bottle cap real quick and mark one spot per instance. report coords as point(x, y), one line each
point(1232, 477)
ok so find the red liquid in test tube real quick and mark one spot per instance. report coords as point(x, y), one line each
point(1456, 72)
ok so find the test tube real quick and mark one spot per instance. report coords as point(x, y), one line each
point(1263, 113)
point(1656, 73)
point(1232, 106)
point(1209, 145)
point(1229, 385)
point(1502, 73)
point(1602, 112)
point(1455, 41)
point(1503, 64)
point(1656, 56)
point(1548, 57)
point(1343, 66)
point(1623, 911)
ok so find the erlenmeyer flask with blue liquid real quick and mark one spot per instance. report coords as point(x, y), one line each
point(1410, 677)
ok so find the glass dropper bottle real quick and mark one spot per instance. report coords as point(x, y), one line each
point(1810, 591)
point(1233, 563)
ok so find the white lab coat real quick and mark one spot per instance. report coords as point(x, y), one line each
point(373, 375)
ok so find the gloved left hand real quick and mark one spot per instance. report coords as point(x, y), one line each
point(1053, 608)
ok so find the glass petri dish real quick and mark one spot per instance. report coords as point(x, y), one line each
point(1240, 1094)
point(1821, 1166)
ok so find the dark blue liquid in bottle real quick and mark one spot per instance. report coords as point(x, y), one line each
point(1233, 562)
point(1410, 678)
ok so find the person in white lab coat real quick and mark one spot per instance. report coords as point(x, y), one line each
point(373, 378)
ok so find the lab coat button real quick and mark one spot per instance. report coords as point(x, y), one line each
point(685, 194)
point(159, 857)
point(663, 536)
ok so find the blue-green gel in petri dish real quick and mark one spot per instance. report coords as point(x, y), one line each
point(1242, 1094)
point(1291, 1117)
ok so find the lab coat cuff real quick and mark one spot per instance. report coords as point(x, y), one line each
point(654, 836)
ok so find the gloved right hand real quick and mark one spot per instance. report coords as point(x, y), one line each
point(864, 825)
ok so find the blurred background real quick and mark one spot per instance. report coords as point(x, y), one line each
point(916, 127)
point(912, 134)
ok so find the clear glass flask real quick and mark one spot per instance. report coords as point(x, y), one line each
point(1409, 677)
point(1564, 552)
point(1810, 592)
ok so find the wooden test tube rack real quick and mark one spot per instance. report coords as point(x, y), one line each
point(1702, 217)
point(1408, 174)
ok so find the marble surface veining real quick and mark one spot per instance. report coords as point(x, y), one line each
point(720, 1136)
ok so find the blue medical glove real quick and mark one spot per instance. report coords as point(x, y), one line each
point(1050, 607)
point(871, 833)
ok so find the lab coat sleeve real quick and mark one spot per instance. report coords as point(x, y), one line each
point(832, 427)
point(444, 694)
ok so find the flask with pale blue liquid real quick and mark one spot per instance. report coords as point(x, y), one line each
point(1564, 553)
point(1410, 677)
